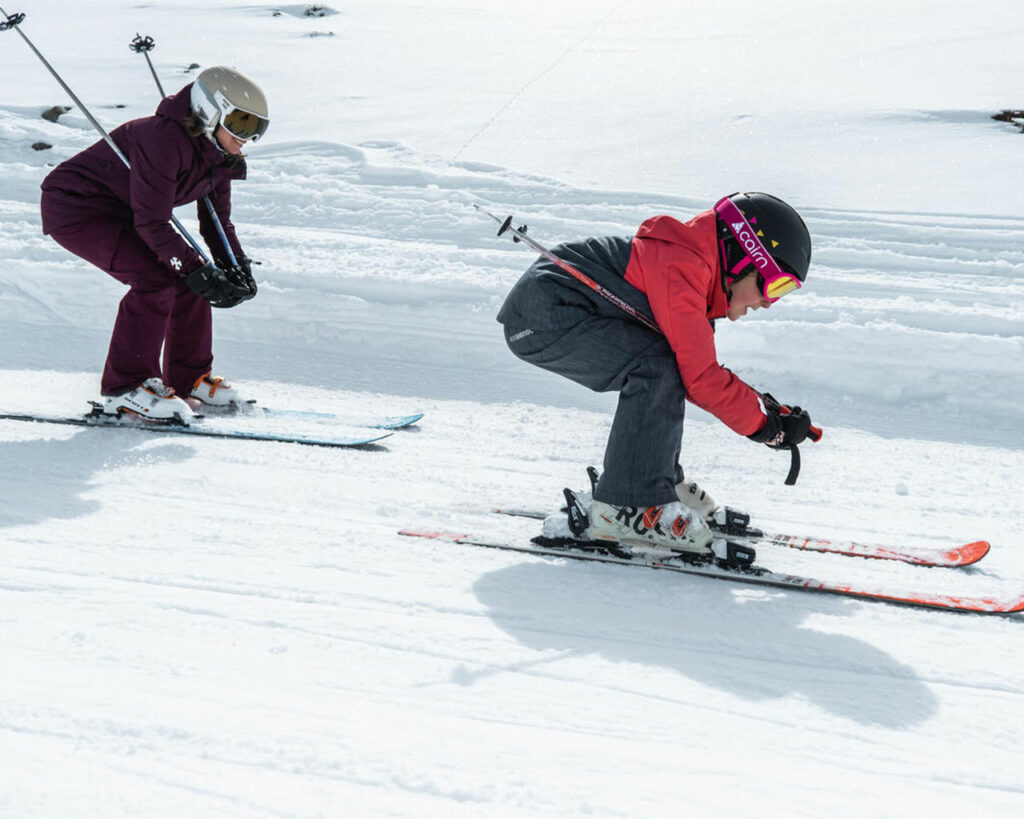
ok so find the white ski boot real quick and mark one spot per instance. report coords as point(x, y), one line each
point(671, 527)
point(689, 494)
point(722, 519)
point(214, 392)
point(152, 402)
point(669, 530)
point(695, 498)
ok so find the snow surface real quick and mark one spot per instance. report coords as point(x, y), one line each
point(220, 628)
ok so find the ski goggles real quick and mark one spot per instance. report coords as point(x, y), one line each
point(773, 281)
point(244, 125)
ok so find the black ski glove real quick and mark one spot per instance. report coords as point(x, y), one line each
point(784, 426)
point(241, 273)
point(216, 286)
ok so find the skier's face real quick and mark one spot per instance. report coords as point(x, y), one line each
point(745, 295)
point(228, 141)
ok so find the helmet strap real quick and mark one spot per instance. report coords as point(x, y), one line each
point(738, 269)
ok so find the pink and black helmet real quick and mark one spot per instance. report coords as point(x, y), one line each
point(759, 233)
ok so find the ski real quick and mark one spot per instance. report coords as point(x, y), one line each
point(96, 421)
point(966, 554)
point(250, 409)
point(753, 575)
point(954, 557)
point(390, 422)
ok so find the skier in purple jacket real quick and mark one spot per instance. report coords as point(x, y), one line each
point(119, 220)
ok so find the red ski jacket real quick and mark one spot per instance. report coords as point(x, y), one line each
point(677, 267)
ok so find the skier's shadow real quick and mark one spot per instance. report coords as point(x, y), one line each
point(749, 643)
point(45, 478)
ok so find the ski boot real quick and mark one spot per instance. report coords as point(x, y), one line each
point(722, 519)
point(214, 393)
point(152, 401)
point(671, 529)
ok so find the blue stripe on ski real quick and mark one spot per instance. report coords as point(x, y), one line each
point(391, 422)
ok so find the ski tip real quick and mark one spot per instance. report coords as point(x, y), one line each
point(399, 421)
point(969, 553)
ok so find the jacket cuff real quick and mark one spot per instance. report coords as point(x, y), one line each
point(770, 429)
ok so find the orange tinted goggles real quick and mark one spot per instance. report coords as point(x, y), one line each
point(244, 125)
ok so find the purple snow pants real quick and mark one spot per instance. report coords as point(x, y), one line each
point(158, 311)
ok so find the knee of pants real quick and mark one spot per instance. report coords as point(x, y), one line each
point(658, 376)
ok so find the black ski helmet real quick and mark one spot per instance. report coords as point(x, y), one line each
point(780, 229)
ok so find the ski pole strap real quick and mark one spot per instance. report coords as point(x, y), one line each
point(773, 407)
point(794, 464)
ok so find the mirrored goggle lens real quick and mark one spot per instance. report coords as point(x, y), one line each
point(777, 288)
point(244, 125)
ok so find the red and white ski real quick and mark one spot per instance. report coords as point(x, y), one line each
point(754, 575)
point(953, 557)
point(956, 556)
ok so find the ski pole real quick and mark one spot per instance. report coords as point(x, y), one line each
point(220, 231)
point(519, 235)
point(143, 45)
point(13, 21)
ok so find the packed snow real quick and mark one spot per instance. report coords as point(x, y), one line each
point(217, 628)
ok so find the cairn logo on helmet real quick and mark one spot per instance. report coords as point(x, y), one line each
point(750, 244)
point(745, 220)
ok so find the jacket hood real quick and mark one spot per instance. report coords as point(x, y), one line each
point(698, 234)
point(178, 106)
point(697, 242)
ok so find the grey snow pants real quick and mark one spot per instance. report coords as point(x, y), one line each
point(583, 337)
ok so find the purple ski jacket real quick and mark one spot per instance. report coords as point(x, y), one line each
point(168, 168)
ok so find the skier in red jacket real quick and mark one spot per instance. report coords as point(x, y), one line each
point(119, 220)
point(744, 254)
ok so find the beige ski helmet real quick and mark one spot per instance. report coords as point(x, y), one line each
point(225, 96)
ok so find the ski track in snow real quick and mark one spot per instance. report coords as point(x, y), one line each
point(224, 628)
